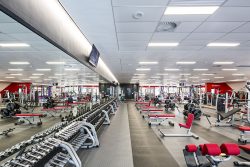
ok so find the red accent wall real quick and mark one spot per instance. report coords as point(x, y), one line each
point(13, 87)
point(222, 88)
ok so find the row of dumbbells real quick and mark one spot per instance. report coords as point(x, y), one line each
point(33, 156)
point(50, 130)
point(66, 133)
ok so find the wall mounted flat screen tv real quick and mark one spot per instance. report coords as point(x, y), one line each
point(94, 56)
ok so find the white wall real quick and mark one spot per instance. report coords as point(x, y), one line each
point(4, 85)
point(237, 86)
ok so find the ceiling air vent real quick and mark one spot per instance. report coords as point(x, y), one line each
point(166, 27)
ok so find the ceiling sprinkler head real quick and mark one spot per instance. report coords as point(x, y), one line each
point(138, 15)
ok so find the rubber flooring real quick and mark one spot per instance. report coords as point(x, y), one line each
point(147, 149)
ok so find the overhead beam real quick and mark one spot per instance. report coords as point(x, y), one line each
point(48, 19)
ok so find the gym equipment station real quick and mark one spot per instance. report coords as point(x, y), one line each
point(124, 83)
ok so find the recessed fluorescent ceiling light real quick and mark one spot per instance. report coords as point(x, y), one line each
point(71, 69)
point(207, 74)
point(200, 69)
point(172, 69)
point(175, 10)
point(27, 79)
point(223, 62)
point(161, 74)
point(17, 69)
point(205, 79)
point(9, 77)
point(229, 69)
point(155, 77)
point(224, 44)
point(193, 77)
point(148, 62)
point(143, 69)
point(55, 62)
point(47, 79)
point(19, 62)
point(185, 74)
point(37, 74)
point(238, 74)
point(16, 74)
point(163, 44)
point(43, 69)
point(90, 76)
point(34, 77)
point(218, 77)
point(185, 62)
point(14, 45)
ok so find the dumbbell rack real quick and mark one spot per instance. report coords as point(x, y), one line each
point(57, 146)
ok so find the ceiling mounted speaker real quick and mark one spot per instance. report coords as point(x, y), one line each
point(166, 26)
point(138, 15)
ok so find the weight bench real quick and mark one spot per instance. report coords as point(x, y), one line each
point(209, 154)
point(245, 148)
point(6, 132)
point(150, 110)
point(221, 116)
point(29, 118)
point(244, 130)
point(159, 118)
point(187, 125)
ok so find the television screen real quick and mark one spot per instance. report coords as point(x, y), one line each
point(94, 56)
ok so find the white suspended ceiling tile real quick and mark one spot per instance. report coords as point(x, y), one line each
point(231, 14)
point(26, 36)
point(5, 18)
point(243, 28)
point(134, 36)
point(196, 2)
point(136, 27)
point(204, 36)
point(125, 48)
point(237, 3)
point(187, 26)
point(184, 18)
point(218, 26)
point(194, 42)
point(133, 44)
point(13, 28)
point(126, 14)
point(236, 37)
point(161, 37)
point(140, 2)
point(4, 37)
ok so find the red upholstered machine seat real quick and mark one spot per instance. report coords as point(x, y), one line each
point(29, 115)
point(161, 115)
point(210, 149)
point(244, 128)
point(191, 148)
point(188, 123)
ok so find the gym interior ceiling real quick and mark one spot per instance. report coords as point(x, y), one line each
point(38, 61)
point(122, 31)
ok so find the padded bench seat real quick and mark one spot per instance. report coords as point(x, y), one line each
point(244, 128)
point(229, 113)
point(29, 115)
point(161, 115)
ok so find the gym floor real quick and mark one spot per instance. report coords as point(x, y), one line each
point(129, 141)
